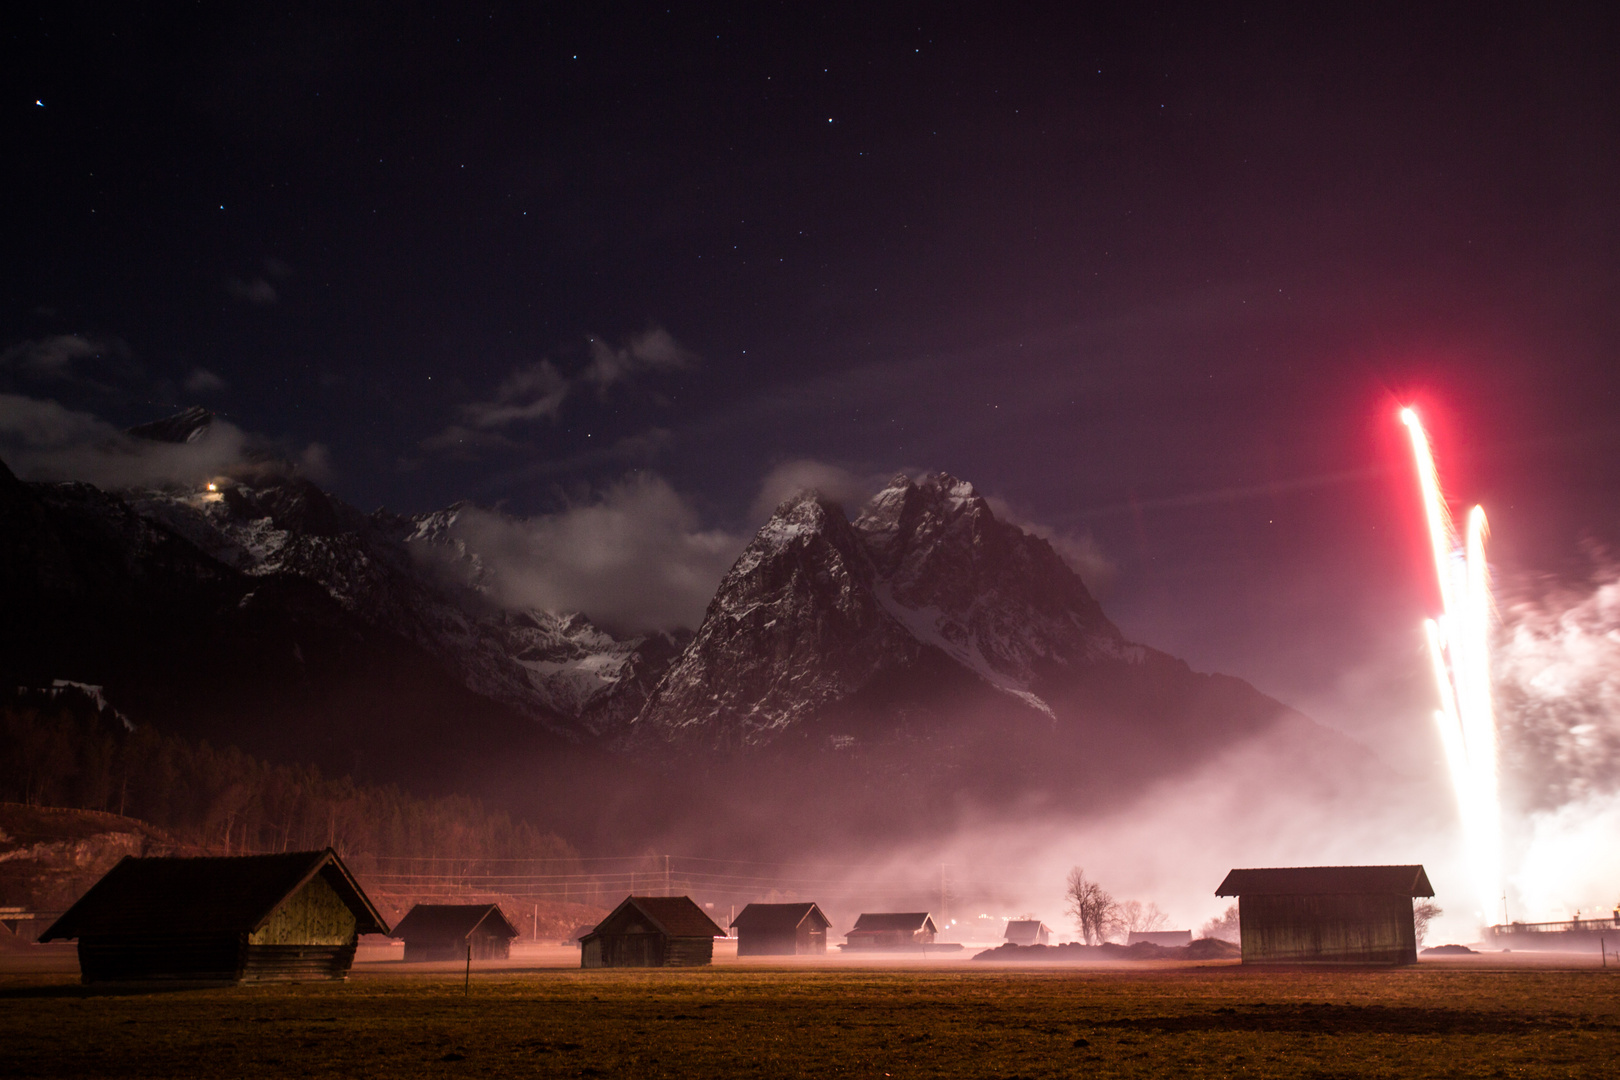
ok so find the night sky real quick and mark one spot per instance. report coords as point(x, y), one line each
point(1156, 277)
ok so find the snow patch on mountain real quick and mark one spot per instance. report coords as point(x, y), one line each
point(934, 626)
point(417, 576)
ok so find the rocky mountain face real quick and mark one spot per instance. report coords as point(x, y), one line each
point(892, 672)
point(93, 592)
point(414, 577)
point(927, 661)
point(819, 608)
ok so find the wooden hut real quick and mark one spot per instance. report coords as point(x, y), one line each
point(891, 930)
point(1327, 914)
point(1027, 932)
point(651, 931)
point(449, 931)
point(247, 918)
point(781, 930)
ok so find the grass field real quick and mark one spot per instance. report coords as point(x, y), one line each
point(955, 1020)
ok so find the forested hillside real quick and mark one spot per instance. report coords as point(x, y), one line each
point(59, 748)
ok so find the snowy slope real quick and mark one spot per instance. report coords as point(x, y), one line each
point(416, 577)
point(820, 609)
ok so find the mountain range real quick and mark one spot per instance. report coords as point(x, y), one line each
point(887, 672)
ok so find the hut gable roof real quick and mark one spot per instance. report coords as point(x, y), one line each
point(672, 916)
point(1325, 880)
point(233, 894)
point(906, 921)
point(779, 918)
point(1033, 926)
point(453, 922)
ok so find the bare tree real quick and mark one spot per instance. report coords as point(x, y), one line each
point(1422, 912)
point(1095, 913)
point(1224, 927)
point(1137, 917)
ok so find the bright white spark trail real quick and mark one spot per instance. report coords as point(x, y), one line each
point(1459, 645)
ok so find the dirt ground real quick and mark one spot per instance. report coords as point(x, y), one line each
point(1474, 1016)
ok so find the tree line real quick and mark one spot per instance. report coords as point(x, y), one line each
point(62, 748)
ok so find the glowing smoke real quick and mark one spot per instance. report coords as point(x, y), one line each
point(1459, 645)
point(1558, 671)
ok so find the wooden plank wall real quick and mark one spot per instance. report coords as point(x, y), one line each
point(1343, 929)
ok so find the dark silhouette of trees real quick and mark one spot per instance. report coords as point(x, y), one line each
point(1225, 926)
point(1094, 911)
point(63, 751)
point(1424, 912)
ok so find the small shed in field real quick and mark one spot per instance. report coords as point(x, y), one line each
point(891, 930)
point(448, 931)
point(651, 931)
point(781, 930)
point(1327, 914)
point(1027, 932)
point(245, 918)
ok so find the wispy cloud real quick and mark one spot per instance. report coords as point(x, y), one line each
point(529, 393)
point(256, 291)
point(41, 439)
point(44, 440)
point(203, 381)
point(654, 350)
point(833, 481)
point(635, 558)
point(538, 391)
point(62, 357)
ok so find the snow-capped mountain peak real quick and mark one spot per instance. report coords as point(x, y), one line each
point(817, 608)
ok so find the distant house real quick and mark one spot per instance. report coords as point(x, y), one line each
point(890, 930)
point(1169, 939)
point(247, 918)
point(651, 931)
point(1327, 914)
point(1027, 932)
point(781, 930)
point(448, 931)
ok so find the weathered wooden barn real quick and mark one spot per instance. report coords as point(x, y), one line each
point(1327, 914)
point(891, 930)
point(455, 931)
point(1027, 932)
point(651, 931)
point(781, 930)
point(247, 918)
